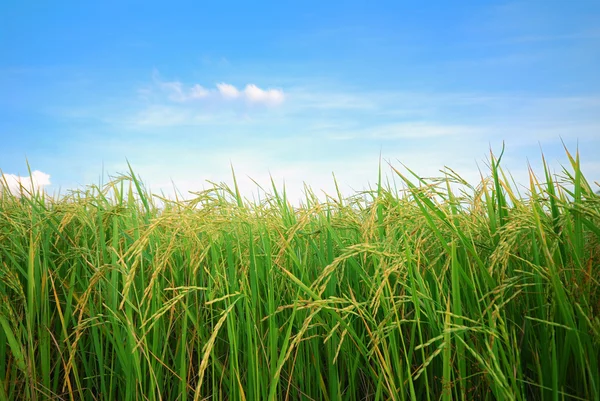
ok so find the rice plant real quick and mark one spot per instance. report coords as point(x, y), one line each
point(436, 291)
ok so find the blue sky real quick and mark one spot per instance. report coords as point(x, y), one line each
point(296, 91)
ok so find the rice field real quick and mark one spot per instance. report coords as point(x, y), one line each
point(432, 290)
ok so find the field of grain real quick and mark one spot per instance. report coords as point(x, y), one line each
point(418, 292)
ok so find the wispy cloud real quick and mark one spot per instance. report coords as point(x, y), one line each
point(164, 116)
point(176, 91)
point(18, 185)
point(410, 130)
point(556, 37)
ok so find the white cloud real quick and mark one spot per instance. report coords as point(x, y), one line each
point(176, 91)
point(228, 91)
point(198, 92)
point(270, 96)
point(18, 185)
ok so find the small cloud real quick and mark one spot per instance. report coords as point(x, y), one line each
point(177, 92)
point(18, 185)
point(228, 91)
point(270, 96)
point(174, 89)
point(198, 92)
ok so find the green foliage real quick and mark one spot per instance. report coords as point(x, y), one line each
point(438, 291)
